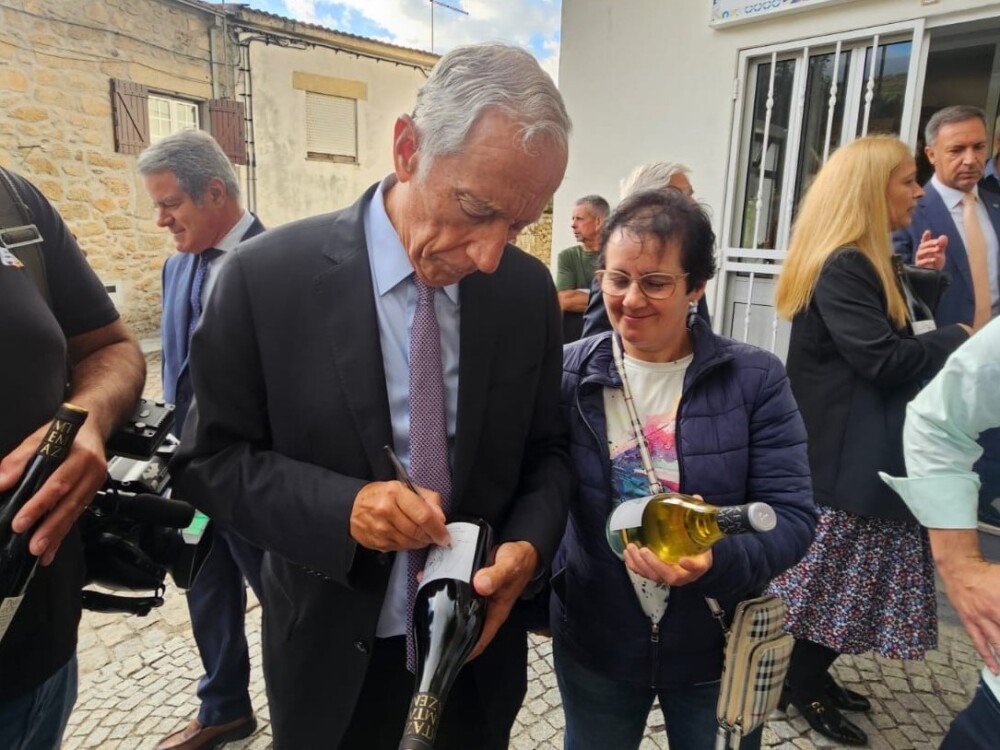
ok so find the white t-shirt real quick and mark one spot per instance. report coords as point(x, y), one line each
point(656, 389)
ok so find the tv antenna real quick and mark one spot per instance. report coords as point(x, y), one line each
point(443, 5)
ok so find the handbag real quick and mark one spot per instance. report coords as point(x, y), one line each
point(758, 652)
point(927, 284)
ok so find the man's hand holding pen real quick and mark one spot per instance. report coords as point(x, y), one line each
point(389, 516)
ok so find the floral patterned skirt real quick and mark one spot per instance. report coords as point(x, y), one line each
point(866, 584)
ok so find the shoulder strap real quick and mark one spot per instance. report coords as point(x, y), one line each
point(20, 236)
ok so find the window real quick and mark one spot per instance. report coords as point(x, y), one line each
point(331, 128)
point(141, 117)
point(799, 101)
point(167, 116)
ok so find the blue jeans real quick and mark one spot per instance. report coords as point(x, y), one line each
point(37, 720)
point(977, 726)
point(603, 714)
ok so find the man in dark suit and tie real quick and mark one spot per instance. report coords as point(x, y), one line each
point(304, 369)
point(956, 227)
point(197, 198)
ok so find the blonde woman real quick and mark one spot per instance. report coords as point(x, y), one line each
point(854, 361)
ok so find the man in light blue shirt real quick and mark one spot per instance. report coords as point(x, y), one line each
point(942, 424)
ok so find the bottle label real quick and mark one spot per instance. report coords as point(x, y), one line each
point(423, 719)
point(458, 559)
point(923, 326)
point(8, 608)
point(62, 431)
point(628, 515)
point(732, 520)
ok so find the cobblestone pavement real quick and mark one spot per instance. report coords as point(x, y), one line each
point(138, 678)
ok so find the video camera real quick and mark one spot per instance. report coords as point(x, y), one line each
point(134, 533)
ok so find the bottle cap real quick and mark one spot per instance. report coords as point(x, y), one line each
point(761, 517)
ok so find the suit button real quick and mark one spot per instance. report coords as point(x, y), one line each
point(382, 558)
point(361, 646)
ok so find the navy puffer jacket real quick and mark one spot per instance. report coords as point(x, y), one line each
point(739, 438)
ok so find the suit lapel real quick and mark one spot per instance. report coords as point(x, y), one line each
point(477, 337)
point(940, 215)
point(344, 296)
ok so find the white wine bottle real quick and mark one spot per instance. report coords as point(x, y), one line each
point(673, 525)
point(448, 618)
point(17, 564)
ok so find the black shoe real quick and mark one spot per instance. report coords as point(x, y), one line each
point(825, 719)
point(843, 699)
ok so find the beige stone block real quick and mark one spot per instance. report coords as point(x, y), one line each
point(116, 185)
point(46, 76)
point(103, 204)
point(29, 113)
point(99, 106)
point(55, 98)
point(111, 161)
point(117, 221)
point(38, 164)
point(51, 189)
point(80, 121)
point(94, 138)
point(74, 211)
point(13, 80)
point(88, 228)
point(73, 169)
point(43, 38)
point(57, 151)
point(78, 194)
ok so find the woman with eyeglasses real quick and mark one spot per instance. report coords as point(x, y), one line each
point(719, 421)
point(855, 359)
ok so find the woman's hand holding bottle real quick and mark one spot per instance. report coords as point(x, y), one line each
point(687, 570)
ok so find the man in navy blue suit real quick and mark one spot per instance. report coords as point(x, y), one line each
point(197, 198)
point(956, 227)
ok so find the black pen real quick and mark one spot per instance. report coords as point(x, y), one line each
point(404, 477)
point(401, 474)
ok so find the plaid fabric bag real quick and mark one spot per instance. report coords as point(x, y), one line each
point(758, 651)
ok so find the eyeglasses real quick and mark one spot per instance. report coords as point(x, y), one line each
point(653, 285)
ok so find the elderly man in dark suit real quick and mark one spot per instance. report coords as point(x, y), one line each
point(197, 198)
point(302, 373)
point(956, 227)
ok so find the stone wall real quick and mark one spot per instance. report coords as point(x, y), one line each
point(57, 60)
point(537, 238)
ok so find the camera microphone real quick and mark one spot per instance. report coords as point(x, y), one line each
point(145, 508)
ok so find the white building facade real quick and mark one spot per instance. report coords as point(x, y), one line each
point(321, 106)
point(753, 96)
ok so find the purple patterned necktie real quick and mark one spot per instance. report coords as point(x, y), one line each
point(205, 259)
point(429, 465)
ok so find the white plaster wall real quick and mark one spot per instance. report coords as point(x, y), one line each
point(650, 80)
point(288, 185)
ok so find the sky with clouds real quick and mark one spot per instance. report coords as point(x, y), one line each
point(533, 24)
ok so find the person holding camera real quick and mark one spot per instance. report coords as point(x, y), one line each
point(79, 328)
point(197, 198)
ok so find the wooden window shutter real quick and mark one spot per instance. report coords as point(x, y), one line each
point(227, 122)
point(130, 114)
